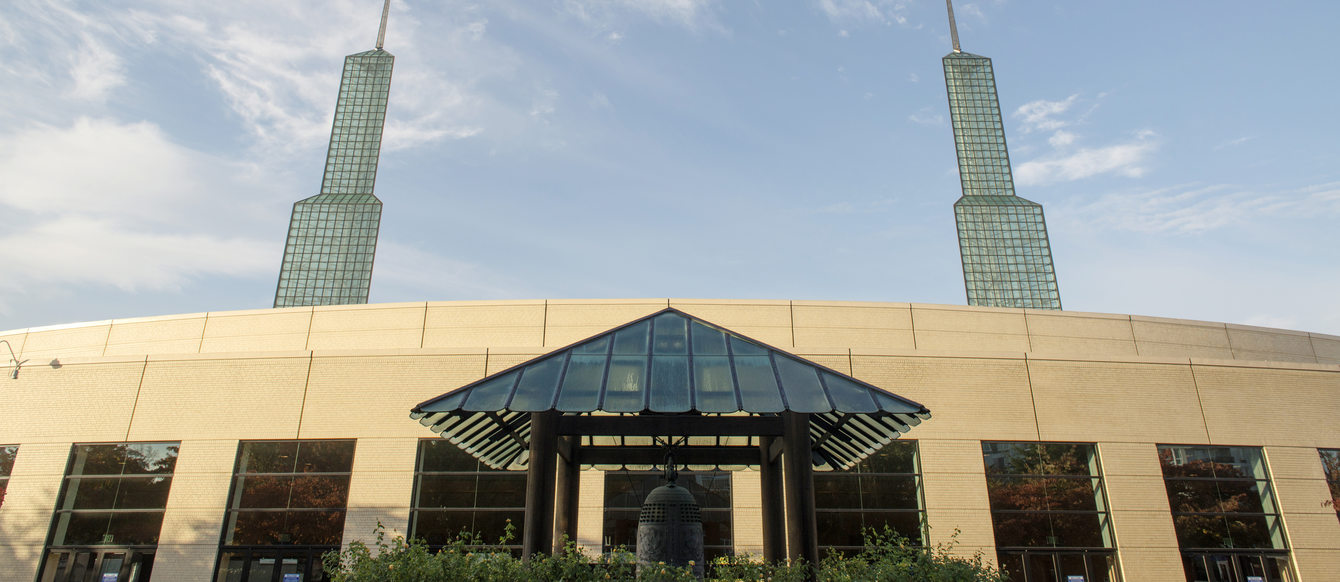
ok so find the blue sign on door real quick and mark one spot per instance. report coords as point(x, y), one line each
point(110, 577)
point(292, 578)
point(1074, 578)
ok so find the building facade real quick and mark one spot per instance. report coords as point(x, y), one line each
point(1007, 258)
point(244, 444)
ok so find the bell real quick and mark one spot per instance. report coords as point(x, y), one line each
point(670, 529)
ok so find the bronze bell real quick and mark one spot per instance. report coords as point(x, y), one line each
point(670, 529)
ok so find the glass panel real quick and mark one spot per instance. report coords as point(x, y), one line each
point(1011, 564)
point(320, 491)
point(159, 458)
point(713, 384)
point(98, 460)
point(598, 346)
point(848, 396)
point(493, 394)
point(87, 493)
point(7, 455)
point(150, 493)
point(538, 386)
point(264, 491)
point(1021, 493)
point(1077, 530)
point(1201, 530)
point(716, 528)
point(316, 527)
point(1073, 494)
point(581, 384)
point(669, 382)
point(671, 335)
point(758, 384)
point(1250, 531)
point(707, 341)
point(442, 455)
point(623, 387)
point(632, 340)
point(268, 457)
point(1021, 529)
point(801, 383)
point(741, 347)
point(1192, 495)
point(897, 457)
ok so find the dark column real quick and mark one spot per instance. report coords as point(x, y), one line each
point(801, 529)
point(538, 535)
point(774, 520)
point(566, 484)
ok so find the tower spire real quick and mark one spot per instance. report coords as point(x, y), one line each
point(386, 11)
point(953, 27)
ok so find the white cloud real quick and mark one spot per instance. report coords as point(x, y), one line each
point(1041, 115)
point(971, 10)
point(692, 14)
point(1189, 210)
point(927, 116)
point(1233, 143)
point(86, 249)
point(864, 11)
point(121, 205)
point(96, 71)
point(543, 104)
point(1125, 159)
point(1062, 139)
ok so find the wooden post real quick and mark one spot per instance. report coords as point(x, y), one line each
point(801, 528)
point(566, 484)
point(538, 534)
point(774, 519)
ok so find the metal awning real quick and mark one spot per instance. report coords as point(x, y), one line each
point(667, 366)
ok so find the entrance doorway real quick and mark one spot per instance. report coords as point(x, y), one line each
point(97, 565)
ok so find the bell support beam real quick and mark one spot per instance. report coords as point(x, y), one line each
point(538, 534)
point(801, 527)
point(567, 482)
point(774, 519)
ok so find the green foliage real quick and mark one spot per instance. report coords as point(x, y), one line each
point(887, 557)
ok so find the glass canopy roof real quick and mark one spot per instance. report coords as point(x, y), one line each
point(668, 363)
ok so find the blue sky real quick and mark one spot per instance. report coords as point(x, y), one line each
point(1185, 151)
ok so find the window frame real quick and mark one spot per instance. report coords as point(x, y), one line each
point(857, 474)
point(417, 510)
point(1025, 555)
point(307, 555)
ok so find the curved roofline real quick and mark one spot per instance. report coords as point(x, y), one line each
point(927, 328)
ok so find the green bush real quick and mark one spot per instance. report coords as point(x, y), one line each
point(886, 558)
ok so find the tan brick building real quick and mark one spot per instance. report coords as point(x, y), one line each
point(1141, 398)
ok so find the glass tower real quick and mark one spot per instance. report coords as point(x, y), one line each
point(1002, 238)
point(332, 237)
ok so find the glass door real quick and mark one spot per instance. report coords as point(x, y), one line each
point(100, 565)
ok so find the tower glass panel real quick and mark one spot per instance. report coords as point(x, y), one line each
point(1007, 260)
point(332, 237)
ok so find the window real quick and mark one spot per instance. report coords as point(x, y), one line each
point(1049, 512)
point(7, 454)
point(883, 490)
point(625, 491)
point(286, 508)
point(1330, 459)
point(1227, 523)
point(110, 511)
point(454, 493)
